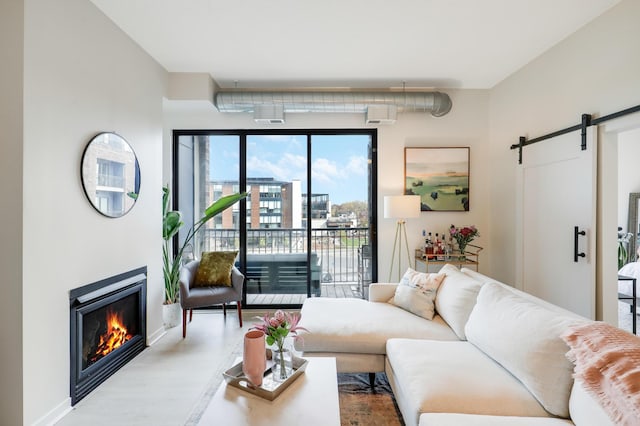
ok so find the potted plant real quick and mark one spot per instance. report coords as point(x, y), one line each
point(171, 224)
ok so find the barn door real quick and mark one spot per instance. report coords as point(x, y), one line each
point(557, 223)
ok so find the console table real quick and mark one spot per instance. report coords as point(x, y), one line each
point(470, 258)
point(312, 399)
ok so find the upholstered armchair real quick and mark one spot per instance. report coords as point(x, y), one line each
point(193, 296)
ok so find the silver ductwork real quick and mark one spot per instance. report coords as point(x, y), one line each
point(436, 103)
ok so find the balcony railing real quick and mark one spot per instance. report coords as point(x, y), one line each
point(340, 250)
point(114, 181)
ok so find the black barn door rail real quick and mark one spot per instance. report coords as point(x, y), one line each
point(585, 122)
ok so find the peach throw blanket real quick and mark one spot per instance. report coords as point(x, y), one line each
point(607, 362)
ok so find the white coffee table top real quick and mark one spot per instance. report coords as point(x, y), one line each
point(312, 399)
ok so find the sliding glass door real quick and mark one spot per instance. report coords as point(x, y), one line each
point(277, 255)
point(341, 211)
point(307, 227)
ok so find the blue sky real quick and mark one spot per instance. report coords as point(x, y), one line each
point(339, 163)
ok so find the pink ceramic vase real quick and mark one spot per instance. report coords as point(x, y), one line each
point(254, 359)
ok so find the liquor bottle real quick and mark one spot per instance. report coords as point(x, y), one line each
point(429, 249)
point(424, 247)
point(446, 246)
point(450, 244)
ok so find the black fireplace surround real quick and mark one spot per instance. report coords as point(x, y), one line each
point(107, 328)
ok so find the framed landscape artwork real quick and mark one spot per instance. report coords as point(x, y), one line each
point(440, 176)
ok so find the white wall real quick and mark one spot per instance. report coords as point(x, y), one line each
point(465, 125)
point(82, 76)
point(11, 58)
point(594, 71)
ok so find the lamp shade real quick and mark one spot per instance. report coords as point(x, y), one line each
point(401, 206)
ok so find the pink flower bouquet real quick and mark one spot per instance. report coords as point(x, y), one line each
point(463, 235)
point(277, 327)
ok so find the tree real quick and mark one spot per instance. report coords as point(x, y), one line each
point(359, 208)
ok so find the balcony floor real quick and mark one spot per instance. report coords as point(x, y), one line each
point(326, 290)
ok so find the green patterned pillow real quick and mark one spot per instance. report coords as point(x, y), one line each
point(215, 269)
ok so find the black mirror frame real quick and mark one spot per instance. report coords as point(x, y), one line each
point(89, 186)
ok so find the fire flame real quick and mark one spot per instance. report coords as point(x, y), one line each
point(115, 336)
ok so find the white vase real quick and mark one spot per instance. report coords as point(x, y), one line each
point(171, 314)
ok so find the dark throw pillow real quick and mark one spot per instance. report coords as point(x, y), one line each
point(215, 269)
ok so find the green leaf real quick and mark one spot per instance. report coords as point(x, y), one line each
point(221, 204)
point(270, 340)
point(165, 200)
point(171, 224)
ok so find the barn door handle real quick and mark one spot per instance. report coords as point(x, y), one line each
point(576, 232)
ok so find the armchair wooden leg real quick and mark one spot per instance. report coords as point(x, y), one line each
point(224, 309)
point(240, 313)
point(184, 323)
point(190, 315)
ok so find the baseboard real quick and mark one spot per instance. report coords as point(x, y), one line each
point(53, 416)
point(155, 336)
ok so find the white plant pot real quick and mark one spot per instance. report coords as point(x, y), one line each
point(171, 315)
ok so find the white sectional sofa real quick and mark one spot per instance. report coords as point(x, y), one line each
point(491, 355)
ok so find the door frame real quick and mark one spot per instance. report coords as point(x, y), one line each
point(242, 134)
point(606, 251)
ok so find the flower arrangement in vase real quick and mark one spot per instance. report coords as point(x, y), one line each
point(463, 236)
point(276, 328)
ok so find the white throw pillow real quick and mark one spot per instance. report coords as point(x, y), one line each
point(417, 292)
point(524, 337)
point(456, 298)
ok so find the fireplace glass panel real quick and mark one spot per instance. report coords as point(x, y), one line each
point(108, 328)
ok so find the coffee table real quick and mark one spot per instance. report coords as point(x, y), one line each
point(312, 399)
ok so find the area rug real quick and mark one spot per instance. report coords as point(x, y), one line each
point(360, 405)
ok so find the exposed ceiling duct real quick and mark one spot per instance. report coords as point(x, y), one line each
point(435, 103)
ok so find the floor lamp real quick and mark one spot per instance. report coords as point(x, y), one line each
point(401, 207)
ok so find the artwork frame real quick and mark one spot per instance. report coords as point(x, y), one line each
point(440, 176)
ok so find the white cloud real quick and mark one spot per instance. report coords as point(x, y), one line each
point(324, 170)
point(357, 166)
point(286, 168)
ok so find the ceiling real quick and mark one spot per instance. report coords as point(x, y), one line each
point(265, 44)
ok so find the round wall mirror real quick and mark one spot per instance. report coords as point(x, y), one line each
point(110, 174)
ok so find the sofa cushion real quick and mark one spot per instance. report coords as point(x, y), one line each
point(456, 298)
point(524, 337)
point(607, 362)
point(215, 269)
point(451, 419)
point(485, 279)
point(416, 293)
point(453, 377)
point(584, 409)
point(359, 326)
